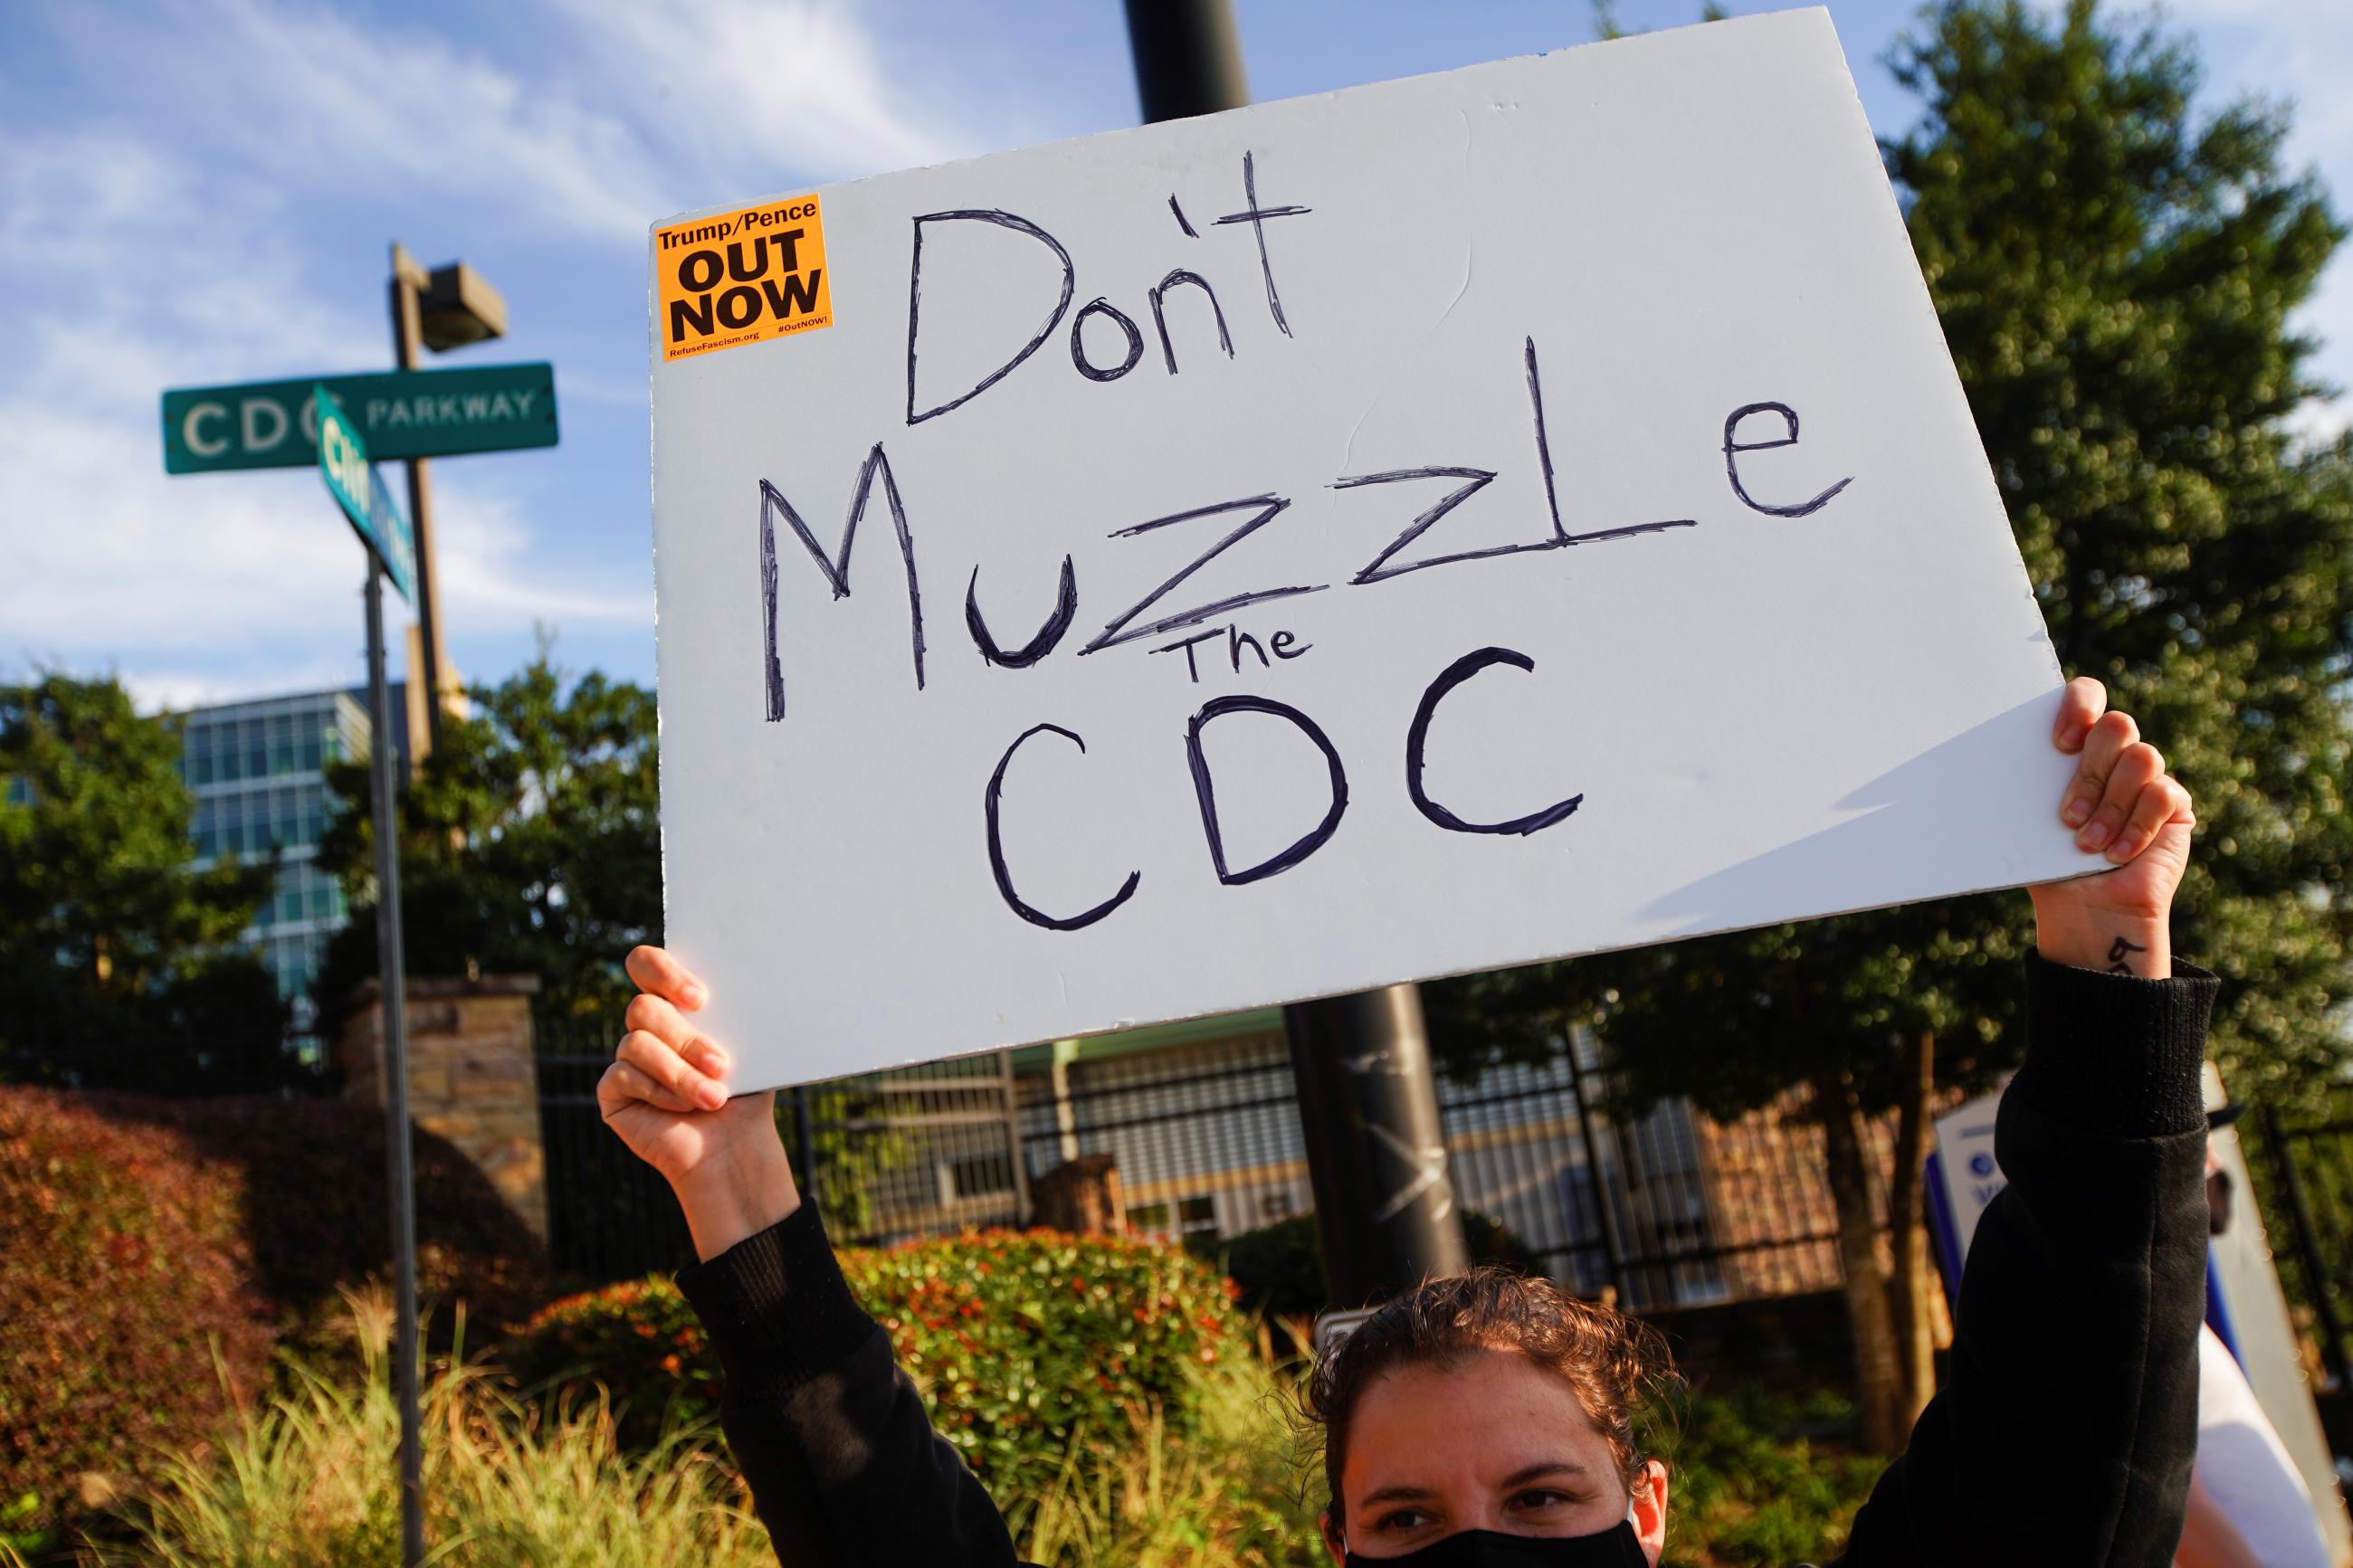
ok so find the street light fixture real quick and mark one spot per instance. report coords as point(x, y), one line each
point(460, 307)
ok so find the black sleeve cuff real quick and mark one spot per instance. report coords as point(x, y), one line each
point(2116, 1054)
point(776, 1307)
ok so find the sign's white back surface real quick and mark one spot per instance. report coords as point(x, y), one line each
point(1450, 523)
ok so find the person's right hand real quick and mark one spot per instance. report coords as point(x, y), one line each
point(662, 1097)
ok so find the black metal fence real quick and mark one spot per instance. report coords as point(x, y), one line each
point(2302, 1173)
point(1662, 1210)
point(609, 1214)
point(230, 1061)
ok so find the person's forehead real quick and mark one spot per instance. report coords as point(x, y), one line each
point(1477, 1420)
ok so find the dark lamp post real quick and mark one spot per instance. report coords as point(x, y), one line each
point(447, 309)
point(1367, 1105)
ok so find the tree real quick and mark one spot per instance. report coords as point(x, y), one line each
point(2114, 277)
point(530, 844)
point(108, 934)
point(531, 841)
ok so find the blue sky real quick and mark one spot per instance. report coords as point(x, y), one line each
point(199, 193)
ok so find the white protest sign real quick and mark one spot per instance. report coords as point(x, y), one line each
point(1450, 524)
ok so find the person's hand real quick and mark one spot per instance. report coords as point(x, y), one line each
point(2125, 806)
point(662, 1097)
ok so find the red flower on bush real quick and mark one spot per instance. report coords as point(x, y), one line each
point(1020, 1340)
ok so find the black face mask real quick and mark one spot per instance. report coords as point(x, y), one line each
point(1615, 1547)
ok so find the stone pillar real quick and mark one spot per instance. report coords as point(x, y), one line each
point(472, 1077)
point(1081, 1197)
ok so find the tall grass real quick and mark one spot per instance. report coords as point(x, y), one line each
point(307, 1481)
point(1227, 1498)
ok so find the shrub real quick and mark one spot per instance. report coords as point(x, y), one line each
point(1279, 1267)
point(128, 1312)
point(1748, 1484)
point(1024, 1343)
point(155, 1249)
point(313, 1175)
point(638, 1341)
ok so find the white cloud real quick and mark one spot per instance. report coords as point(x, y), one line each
point(234, 583)
point(318, 99)
point(202, 588)
point(194, 587)
point(622, 114)
point(109, 561)
point(489, 579)
point(758, 93)
point(176, 691)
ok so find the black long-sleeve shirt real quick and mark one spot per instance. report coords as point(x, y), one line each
point(2064, 1434)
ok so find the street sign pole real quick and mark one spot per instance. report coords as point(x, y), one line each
point(407, 336)
point(393, 969)
point(1369, 1108)
point(359, 490)
point(287, 424)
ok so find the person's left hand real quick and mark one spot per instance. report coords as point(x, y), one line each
point(2125, 806)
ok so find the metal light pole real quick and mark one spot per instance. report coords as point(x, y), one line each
point(1188, 60)
point(445, 309)
point(393, 970)
point(1376, 1156)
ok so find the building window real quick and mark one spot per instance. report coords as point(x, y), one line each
point(1192, 1217)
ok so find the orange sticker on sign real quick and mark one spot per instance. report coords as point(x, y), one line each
point(742, 278)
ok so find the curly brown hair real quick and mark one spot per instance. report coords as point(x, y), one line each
point(1616, 1364)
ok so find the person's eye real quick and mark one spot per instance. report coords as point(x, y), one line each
point(1403, 1518)
point(1537, 1499)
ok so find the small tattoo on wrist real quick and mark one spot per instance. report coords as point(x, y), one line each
point(2117, 954)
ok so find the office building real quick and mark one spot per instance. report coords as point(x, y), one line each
point(258, 770)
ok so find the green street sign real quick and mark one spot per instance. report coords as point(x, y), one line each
point(397, 413)
point(352, 481)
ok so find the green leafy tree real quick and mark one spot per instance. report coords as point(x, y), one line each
point(2116, 277)
point(108, 932)
point(531, 842)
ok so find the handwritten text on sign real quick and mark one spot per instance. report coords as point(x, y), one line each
point(1467, 520)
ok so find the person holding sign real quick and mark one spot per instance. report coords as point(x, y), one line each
point(1490, 1419)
